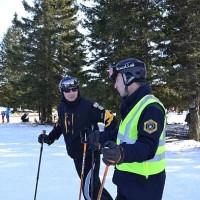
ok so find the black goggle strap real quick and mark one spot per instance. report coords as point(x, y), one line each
point(112, 73)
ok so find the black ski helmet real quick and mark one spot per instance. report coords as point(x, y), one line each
point(67, 82)
point(132, 70)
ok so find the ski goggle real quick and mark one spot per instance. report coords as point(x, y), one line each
point(112, 73)
point(68, 90)
point(68, 83)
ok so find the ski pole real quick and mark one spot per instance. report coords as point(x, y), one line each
point(103, 182)
point(92, 177)
point(41, 149)
point(83, 166)
point(92, 173)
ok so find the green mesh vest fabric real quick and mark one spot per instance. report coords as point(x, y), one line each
point(128, 133)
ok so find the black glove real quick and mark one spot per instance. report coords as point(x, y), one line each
point(93, 141)
point(44, 138)
point(112, 153)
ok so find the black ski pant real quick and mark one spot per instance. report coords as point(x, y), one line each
point(87, 176)
point(120, 197)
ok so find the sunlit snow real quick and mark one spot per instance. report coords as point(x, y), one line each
point(19, 158)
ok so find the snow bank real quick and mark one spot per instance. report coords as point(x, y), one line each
point(174, 118)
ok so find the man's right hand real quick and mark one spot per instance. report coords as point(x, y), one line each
point(112, 153)
point(43, 138)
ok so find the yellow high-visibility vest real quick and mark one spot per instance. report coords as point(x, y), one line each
point(128, 133)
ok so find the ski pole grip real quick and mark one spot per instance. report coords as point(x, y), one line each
point(44, 133)
point(83, 135)
point(84, 138)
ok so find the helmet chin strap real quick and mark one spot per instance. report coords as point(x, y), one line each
point(126, 87)
point(126, 93)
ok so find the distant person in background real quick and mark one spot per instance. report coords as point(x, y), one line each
point(8, 114)
point(3, 116)
point(25, 117)
point(188, 119)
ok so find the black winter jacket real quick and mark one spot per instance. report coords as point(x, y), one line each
point(73, 118)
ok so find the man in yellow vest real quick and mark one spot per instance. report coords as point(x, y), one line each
point(138, 152)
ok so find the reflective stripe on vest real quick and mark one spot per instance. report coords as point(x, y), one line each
point(128, 133)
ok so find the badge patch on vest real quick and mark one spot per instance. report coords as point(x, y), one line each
point(150, 126)
point(96, 105)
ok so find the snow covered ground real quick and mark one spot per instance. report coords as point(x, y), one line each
point(174, 118)
point(19, 157)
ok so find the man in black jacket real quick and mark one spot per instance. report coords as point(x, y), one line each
point(76, 116)
point(138, 153)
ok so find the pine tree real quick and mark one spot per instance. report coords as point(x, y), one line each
point(52, 49)
point(182, 30)
point(121, 29)
point(11, 56)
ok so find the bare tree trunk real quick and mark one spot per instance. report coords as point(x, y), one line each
point(49, 114)
point(194, 128)
point(43, 114)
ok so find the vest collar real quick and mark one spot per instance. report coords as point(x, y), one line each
point(129, 102)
